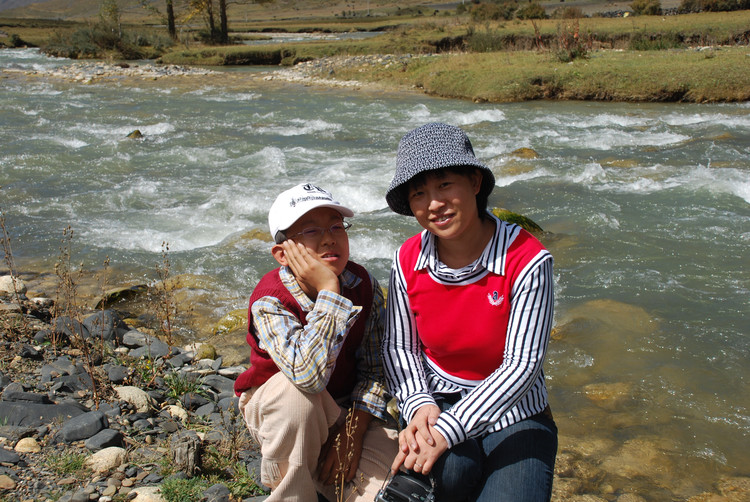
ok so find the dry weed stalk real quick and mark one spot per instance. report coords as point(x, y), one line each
point(66, 307)
point(345, 460)
point(166, 307)
point(11, 266)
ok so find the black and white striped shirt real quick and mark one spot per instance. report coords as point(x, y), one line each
point(516, 389)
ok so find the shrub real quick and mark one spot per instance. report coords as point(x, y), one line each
point(531, 11)
point(570, 45)
point(493, 11)
point(643, 42)
point(689, 6)
point(567, 13)
point(485, 41)
point(646, 7)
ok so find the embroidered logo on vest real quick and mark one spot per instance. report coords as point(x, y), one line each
point(495, 298)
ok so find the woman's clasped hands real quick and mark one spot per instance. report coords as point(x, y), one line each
point(419, 443)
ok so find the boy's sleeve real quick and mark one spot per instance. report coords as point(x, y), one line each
point(305, 354)
point(369, 393)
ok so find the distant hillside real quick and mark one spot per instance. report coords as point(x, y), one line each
point(12, 4)
point(132, 10)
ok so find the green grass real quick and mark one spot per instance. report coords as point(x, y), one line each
point(677, 75)
point(67, 463)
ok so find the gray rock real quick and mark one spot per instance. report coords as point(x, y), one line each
point(42, 336)
point(104, 325)
point(117, 374)
point(180, 360)
point(83, 426)
point(73, 383)
point(62, 366)
point(219, 383)
point(105, 439)
point(111, 410)
point(4, 381)
point(192, 401)
point(29, 352)
point(35, 414)
point(14, 433)
point(9, 457)
point(134, 339)
point(205, 410)
point(154, 349)
point(28, 397)
point(71, 328)
point(216, 493)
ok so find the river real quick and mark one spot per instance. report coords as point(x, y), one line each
point(645, 207)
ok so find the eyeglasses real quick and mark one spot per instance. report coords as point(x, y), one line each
point(337, 229)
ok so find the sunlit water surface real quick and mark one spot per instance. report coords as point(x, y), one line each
point(646, 208)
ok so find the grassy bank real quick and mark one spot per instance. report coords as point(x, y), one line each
point(711, 75)
point(639, 58)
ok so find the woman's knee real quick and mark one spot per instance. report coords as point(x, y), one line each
point(458, 471)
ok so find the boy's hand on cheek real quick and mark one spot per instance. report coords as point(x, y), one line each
point(311, 273)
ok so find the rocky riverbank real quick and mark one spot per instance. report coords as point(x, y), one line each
point(93, 409)
point(88, 72)
point(316, 72)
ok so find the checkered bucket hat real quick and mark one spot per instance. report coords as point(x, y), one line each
point(429, 147)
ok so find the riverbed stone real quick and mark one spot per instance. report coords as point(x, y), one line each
point(28, 445)
point(217, 493)
point(104, 324)
point(8, 456)
point(34, 414)
point(7, 483)
point(7, 285)
point(107, 459)
point(83, 426)
point(147, 494)
point(138, 398)
point(117, 373)
point(104, 439)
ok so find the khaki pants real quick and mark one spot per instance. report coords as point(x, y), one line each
point(291, 426)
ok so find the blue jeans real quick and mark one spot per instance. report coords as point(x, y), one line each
point(515, 464)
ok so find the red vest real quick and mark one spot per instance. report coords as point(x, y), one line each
point(343, 378)
point(463, 327)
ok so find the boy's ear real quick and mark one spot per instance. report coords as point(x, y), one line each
point(278, 253)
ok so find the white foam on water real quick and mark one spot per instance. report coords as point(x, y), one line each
point(70, 143)
point(600, 219)
point(719, 180)
point(472, 117)
point(420, 114)
point(608, 139)
point(269, 162)
point(298, 127)
point(106, 131)
point(372, 245)
point(711, 119)
point(234, 97)
point(502, 180)
point(361, 198)
point(206, 156)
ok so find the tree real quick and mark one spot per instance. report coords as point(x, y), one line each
point(170, 20)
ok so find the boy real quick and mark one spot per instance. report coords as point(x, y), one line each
point(315, 326)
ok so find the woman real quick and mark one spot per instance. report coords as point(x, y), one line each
point(469, 315)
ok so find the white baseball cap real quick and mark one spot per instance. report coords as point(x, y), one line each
point(292, 204)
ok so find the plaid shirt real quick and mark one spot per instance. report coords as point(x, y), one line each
point(307, 354)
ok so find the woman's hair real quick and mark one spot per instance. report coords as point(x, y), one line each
point(465, 171)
